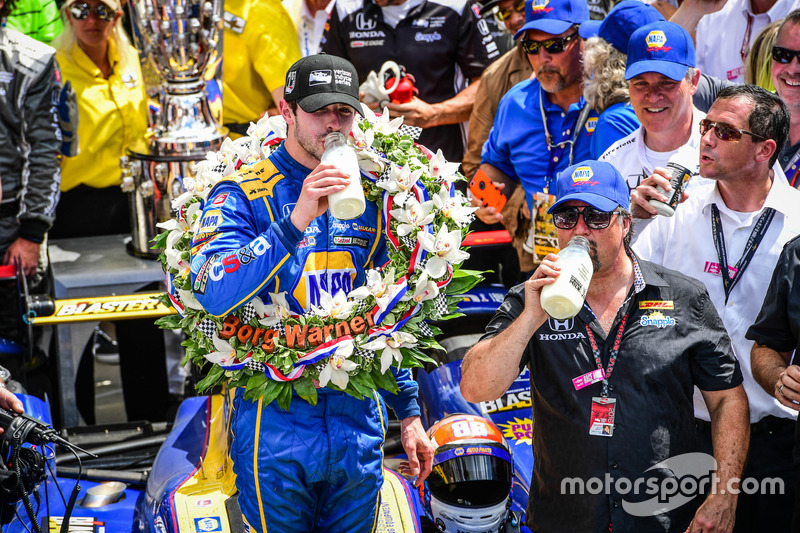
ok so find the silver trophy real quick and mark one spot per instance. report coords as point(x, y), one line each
point(180, 47)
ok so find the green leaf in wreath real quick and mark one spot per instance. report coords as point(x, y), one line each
point(305, 388)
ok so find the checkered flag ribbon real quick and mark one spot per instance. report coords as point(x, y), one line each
point(254, 366)
point(207, 327)
point(412, 131)
point(220, 168)
point(409, 242)
point(366, 354)
point(425, 329)
point(441, 304)
point(361, 307)
point(385, 176)
point(248, 312)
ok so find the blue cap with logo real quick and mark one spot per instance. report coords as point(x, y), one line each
point(597, 183)
point(553, 16)
point(621, 22)
point(660, 47)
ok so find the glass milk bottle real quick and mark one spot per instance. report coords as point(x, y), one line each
point(348, 203)
point(564, 298)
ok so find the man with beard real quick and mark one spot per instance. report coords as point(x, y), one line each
point(544, 115)
point(612, 386)
point(729, 236)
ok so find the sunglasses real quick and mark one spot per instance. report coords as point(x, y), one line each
point(726, 132)
point(504, 14)
point(567, 218)
point(552, 46)
point(784, 55)
point(82, 10)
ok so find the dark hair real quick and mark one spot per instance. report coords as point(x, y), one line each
point(293, 106)
point(769, 117)
point(7, 8)
point(793, 17)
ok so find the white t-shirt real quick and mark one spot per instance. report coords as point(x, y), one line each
point(685, 243)
point(722, 36)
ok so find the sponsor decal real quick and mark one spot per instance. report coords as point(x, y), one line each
point(561, 336)
point(201, 279)
point(312, 230)
point(306, 242)
point(366, 229)
point(207, 524)
point(343, 77)
point(287, 209)
point(540, 6)
point(220, 199)
point(656, 41)
point(77, 524)
point(320, 77)
point(459, 452)
point(716, 269)
point(351, 241)
point(233, 23)
point(199, 244)
point(656, 304)
point(341, 226)
point(657, 319)
point(108, 305)
point(291, 81)
point(205, 502)
point(332, 271)
point(159, 525)
point(428, 37)
point(508, 402)
point(242, 256)
point(735, 74)
point(483, 28)
point(519, 430)
point(366, 34)
point(583, 176)
point(561, 325)
point(591, 124)
point(421, 23)
point(364, 44)
point(365, 24)
point(210, 221)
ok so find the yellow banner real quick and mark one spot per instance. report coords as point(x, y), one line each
point(122, 307)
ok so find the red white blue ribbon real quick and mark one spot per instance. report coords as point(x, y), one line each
point(322, 351)
point(172, 294)
point(276, 374)
point(380, 315)
point(388, 330)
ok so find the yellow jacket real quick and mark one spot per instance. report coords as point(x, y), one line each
point(113, 117)
point(260, 44)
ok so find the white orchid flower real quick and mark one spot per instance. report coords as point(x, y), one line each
point(225, 352)
point(188, 299)
point(267, 128)
point(338, 366)
point(336, 307)
point(453, 207)
point(381, 123)
point(413, 215)
point(192, 217)
point(176, 261)
point(375, 285)
point(270, 315)
point(171, 225)
point(440, 169)
point(425, 289)
point(444, 248)
point(401, 181)
point(390, 346)
point(368, 159)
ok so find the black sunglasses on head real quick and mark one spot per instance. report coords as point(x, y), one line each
point(726, 132)
point(552, 46)
point(82, 10)
point(784, 55)
point(567, 217)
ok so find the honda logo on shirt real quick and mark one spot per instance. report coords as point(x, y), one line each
point(365, 24)
point(561, 325)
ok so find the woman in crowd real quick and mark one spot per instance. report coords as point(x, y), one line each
point(96, 57)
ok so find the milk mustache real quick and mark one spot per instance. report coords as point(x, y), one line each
point(348, 203)
point(564, 298)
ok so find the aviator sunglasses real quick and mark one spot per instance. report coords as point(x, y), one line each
point(567, 217)
point(504, 14)
point(784, 55)
point(82, 10)
point(726, 132)
point(552, 46)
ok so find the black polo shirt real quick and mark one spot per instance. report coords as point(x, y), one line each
point(442, 44)
point(778, 323)
point(672, 341)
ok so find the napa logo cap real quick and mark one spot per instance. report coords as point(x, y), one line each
point(597, 183)
point(553, 16)
point(662, 47)
point(621, 22)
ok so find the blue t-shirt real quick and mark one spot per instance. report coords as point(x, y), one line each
point(516, 143)
point(613, 124)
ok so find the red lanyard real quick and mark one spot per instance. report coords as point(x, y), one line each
point(612, 359)
point(746, 41)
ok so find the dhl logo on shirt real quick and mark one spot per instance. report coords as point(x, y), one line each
point(328, 271)
point(656, 41)
point(656, 304)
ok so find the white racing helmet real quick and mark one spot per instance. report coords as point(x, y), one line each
point(470, 485)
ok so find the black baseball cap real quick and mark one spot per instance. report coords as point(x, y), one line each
point(321, 80)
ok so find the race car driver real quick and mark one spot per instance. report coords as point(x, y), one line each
point(267, 230)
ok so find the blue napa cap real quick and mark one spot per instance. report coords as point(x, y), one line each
point(661, 47)
point(597, 183)
point(621, 22)
point(553, 16)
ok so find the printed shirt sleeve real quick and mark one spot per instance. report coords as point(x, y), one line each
point(476, 49)
point(231, 260)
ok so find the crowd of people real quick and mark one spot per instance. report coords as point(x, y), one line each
point(574, 109)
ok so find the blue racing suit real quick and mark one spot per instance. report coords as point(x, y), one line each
point(313, 467)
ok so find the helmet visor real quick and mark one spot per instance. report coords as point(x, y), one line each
point(471, 480)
